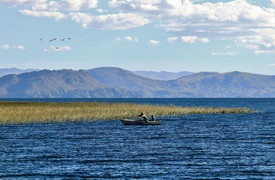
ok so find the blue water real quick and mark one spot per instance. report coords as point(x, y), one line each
point(222, 146)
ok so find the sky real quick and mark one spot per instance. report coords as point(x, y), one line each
point(152, 35)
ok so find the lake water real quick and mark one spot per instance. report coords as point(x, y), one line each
point(221, 146)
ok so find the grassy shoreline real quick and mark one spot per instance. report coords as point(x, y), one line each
point(44, 112)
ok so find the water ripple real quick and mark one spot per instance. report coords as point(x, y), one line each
point(184, 147)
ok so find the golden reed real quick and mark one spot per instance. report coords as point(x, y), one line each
point(44, 112)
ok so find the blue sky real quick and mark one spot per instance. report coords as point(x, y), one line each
point(169, 35)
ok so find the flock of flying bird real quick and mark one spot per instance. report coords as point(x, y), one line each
point(54, 39)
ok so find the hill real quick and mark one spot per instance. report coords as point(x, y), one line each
point(120, 78)
point(56, 84)
point(204, 84)
point(109, 82)
point(231, 84)
point(163, 75)
point(6, 71)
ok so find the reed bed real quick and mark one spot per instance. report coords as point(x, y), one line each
point(33, 112)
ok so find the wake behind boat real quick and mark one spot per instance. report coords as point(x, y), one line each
point(139, 122)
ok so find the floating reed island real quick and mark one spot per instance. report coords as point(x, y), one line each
point(44, 112)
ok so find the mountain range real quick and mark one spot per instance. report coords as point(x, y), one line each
point(162, 75)
point(6, 71)
point(56, 84)
point(110, 82)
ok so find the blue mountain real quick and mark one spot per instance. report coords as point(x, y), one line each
point(110, 82)
point(162, 75)
point(6, 71)
point(57, 84)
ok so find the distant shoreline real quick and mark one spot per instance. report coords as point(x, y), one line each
point(45, 112)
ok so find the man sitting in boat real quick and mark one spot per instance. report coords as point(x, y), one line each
point(143, 116)
point(153, 118)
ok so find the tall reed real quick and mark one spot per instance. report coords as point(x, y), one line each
point(30, 112)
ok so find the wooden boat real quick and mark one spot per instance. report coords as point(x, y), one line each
point(139, 122)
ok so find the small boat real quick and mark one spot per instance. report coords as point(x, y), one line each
point(139, 122)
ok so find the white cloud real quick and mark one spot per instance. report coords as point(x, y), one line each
point(131, 39)
point(78, 5)
point(193, 39)
point(172, 39)
point(110, 21)
point(229, 53)
point(14, 3)
point(50, 5)
point(7, 46)
point(258, 43)
point(101, 10)
point(71, 5)
point(49, 8)
point(224, 20)
point(58, 48)
point(128, 38)
point(48, 14)
point(189, 39)
point(153, 42)
point(236, 20)
point(82, 18)
point(64, 48)
point(272, 65)
point(21, 47)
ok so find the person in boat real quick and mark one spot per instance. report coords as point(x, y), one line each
point(153, 118)
point(143, 116)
